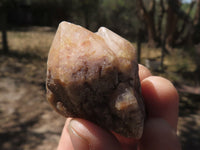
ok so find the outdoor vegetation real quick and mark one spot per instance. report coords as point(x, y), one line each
point(165, 33)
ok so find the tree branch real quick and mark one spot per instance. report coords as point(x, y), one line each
point(141, 4)
point(175, 5)
point(197, 15)
point(184, 22)
point(148, 18)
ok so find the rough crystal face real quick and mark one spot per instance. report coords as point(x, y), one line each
point(95, 76)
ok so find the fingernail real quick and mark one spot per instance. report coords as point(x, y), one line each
point(78, 141)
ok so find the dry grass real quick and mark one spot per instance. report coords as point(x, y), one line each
point(178, 59)
point(35, 40)
point(177, 62)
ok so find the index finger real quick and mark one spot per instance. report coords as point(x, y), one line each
point(143, 72)
point(160, 97)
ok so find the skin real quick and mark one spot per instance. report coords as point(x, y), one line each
point(161, 102)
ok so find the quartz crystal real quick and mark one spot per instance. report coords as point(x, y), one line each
point(95, 76)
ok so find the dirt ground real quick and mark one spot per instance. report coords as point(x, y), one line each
point(27, 122)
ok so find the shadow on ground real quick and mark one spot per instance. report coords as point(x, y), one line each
point(17, 135)
point(189, 104)
point(189, 121)
point(27, 120)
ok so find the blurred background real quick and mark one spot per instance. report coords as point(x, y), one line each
point(166, 34)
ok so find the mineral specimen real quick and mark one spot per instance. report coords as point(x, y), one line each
point(95, 76)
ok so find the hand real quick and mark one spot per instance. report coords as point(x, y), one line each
point(161, 101)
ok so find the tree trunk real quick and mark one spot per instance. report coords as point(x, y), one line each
point(171, 24)
point(160, 20)
point(4, 33)
point(151, 31)
point(163, 50)
point(196, 36)
point(186, 26)
point(148, 18)
point(197, 15)
point(139, 45)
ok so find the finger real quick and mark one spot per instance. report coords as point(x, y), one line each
point(158, 135)
point(126, 143)
point(161, 99)
point(65, 141)
point(143, 72)
point(86, 135)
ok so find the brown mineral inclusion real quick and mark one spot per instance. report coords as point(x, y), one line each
point(95, 76)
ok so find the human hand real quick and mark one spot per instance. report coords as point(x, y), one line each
point(161, 101)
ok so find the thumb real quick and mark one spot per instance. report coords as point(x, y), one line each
point(85, 135)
